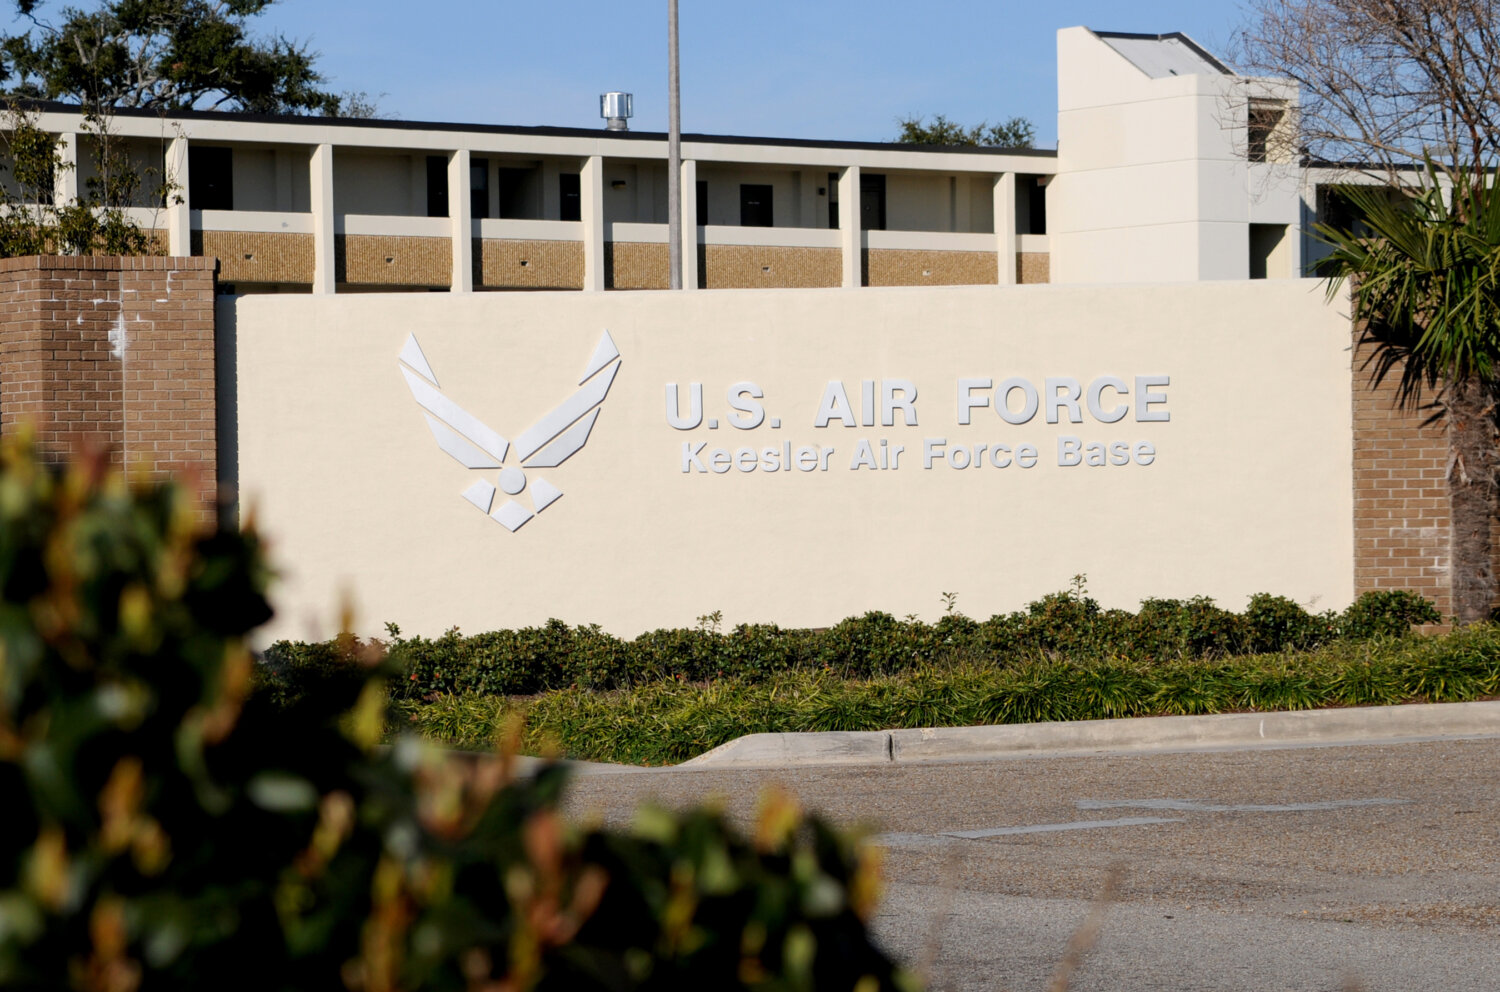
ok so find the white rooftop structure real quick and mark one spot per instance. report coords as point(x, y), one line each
point(1162, 55)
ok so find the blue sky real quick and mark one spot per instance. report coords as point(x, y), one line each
point(781, 68)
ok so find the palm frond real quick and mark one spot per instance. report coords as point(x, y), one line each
point(1425, 275)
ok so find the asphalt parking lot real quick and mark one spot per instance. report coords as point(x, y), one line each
point(1321, 868)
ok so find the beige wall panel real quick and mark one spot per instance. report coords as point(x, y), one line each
point(392, 261)
point(1249, 488)
point(374, 183)
point(982, 204)
point(508, 264)
point(902, 267)
point(252, 257)
point(254, 177)
point(765, 267)
point(642, 196)
point(724, 183)
point(632, 265)
point(1033, 267)
point(918, 202)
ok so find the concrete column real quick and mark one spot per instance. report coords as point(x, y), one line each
point(591, 211)
point(690, 222)
point(179, 219)
point(461, 217)
point(962, 190)
point(65, 178)
point(806, 189)
point(849, 234)
point(1005, 227)
point(321, 183)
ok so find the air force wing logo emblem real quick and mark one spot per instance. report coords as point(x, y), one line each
point(549, 442)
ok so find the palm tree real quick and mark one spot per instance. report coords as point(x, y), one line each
point(1425, 273)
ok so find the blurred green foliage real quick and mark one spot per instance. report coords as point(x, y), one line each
point(166, 826)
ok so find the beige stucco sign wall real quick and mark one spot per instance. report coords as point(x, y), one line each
point(494, 460)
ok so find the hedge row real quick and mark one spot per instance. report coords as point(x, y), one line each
point(1068, 624)
point(667, 722)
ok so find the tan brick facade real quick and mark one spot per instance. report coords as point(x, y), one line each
point(258, 257)
point(768, 267)
point(1033, 267)
point(909, 267)
point(113, 353)
point(1402, 532)
point(634, 265)
point(517, 264)
point(371, 260)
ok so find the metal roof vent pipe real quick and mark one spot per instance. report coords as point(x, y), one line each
point(617, 109)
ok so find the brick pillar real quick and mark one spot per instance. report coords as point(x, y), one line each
point(1402, 529)
point(60, 358)
point(167, 306)
point(115, 353)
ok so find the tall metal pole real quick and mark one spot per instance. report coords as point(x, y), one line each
point(674, 154)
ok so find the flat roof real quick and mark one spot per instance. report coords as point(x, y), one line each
point(51, 106)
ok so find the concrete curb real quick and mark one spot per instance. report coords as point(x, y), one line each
point(1372, 724)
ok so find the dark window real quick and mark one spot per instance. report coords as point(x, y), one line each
point(872, 201)
point(755, 205)
point(701, 199)
point(479, 187)
point(570, 196)
point(833, 200)
point(1335, 210)
point(1264, 118)
point(518, 193)
point(1037, 213)
point(210, 178)
point(437, 185)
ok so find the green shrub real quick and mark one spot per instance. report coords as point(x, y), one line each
point(1061, 622)
point(1275, 623)
point(1387, 613)
point(1066, 624)
point(166, 827)
point(874, 644)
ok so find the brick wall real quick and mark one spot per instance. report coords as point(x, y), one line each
point(60, 372)
point(114, 354)
point(1402, 532)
